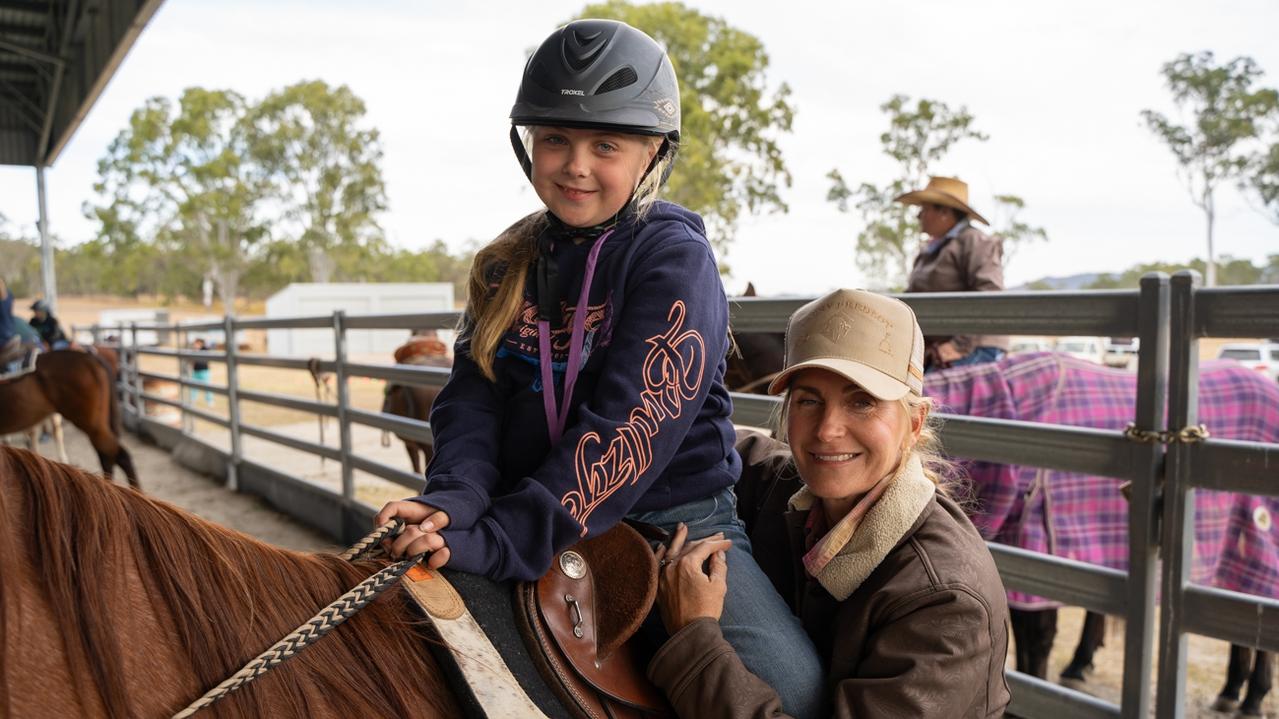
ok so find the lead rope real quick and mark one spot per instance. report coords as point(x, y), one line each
point(343, 608)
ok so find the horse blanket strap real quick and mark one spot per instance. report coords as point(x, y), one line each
point(578, 621)
point(494, 687)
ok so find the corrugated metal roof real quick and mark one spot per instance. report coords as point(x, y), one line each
point(56, 56)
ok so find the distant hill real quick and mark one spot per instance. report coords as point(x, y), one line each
point(1071, 282)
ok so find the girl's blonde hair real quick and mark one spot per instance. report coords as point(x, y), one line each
point(495, 290)
point(938, 468)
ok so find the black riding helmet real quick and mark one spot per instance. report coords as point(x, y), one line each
point(598, 74)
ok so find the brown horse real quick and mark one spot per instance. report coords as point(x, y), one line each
point(114, 604)
point(79, 386)
point(415, 401)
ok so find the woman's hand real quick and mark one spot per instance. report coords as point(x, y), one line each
point(686, 590)
point(422, 525)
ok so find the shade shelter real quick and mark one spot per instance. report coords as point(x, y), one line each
point(56, 57)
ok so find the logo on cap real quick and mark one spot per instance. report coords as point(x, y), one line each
point(835, 327)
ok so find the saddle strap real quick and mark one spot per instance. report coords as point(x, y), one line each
point(491, 682)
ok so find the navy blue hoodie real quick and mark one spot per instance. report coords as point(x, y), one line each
point(649, 426)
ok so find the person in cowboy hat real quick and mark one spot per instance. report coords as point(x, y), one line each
point(957, 258)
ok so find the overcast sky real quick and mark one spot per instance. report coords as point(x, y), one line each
point(1058, 86)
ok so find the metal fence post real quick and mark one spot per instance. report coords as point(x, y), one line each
point(1143, 505)
point(1178, 498)
point(184, 376)
point(232, 403)
point(139, 405)
point(343, 397)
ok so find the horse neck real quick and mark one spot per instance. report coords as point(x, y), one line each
point(140, 607)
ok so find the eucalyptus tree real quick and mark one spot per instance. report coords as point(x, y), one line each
point(325, 166)
point(182, 178)
point(1224, 118)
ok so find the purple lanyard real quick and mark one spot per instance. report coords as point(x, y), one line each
point(555, 420)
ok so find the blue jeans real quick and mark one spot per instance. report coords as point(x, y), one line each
point(981, 355)
point(768, 638)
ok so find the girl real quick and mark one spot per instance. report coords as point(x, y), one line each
point(588, 380)
point(889, 577)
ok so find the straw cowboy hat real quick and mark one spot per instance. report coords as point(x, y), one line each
point(945, 191)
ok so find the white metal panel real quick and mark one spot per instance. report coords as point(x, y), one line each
point(355, 298)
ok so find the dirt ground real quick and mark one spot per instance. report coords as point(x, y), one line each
point(165, 479)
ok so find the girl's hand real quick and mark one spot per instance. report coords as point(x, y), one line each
point(422, 524)
point(686, 590)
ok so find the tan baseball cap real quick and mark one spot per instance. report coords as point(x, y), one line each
point(871, 339)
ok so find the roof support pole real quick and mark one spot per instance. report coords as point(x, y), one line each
point(46, 245)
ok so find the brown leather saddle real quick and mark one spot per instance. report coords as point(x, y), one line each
point(579, 622)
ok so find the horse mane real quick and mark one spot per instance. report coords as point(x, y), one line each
point(228, 597)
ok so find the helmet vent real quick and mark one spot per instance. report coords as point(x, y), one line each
point(582, 51)
point(621, 78)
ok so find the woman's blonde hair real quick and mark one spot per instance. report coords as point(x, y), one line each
point(495, 290)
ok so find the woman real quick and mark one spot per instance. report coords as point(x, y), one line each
point(588, 378)
point(890, 579)
point(957, 258)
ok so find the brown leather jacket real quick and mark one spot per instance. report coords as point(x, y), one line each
point(971, 261)
point(924, 635)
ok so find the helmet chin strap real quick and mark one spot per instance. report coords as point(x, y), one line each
point(546, 269)
point(517, 144)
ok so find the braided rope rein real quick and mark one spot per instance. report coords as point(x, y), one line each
point(328, 619)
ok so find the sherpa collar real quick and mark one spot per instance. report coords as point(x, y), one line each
point(884, 525)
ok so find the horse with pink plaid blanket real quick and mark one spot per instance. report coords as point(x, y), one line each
point(1085, 517)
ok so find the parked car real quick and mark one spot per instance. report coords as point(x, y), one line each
point(1261, 356)
point(1092, 349)
point(1019, 345)
point(1121, 352)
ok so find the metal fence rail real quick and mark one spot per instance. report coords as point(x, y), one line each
point(1167, 324)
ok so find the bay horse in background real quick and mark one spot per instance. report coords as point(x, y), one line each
point(754, 358)
point(80, 387)
point(415, 401)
